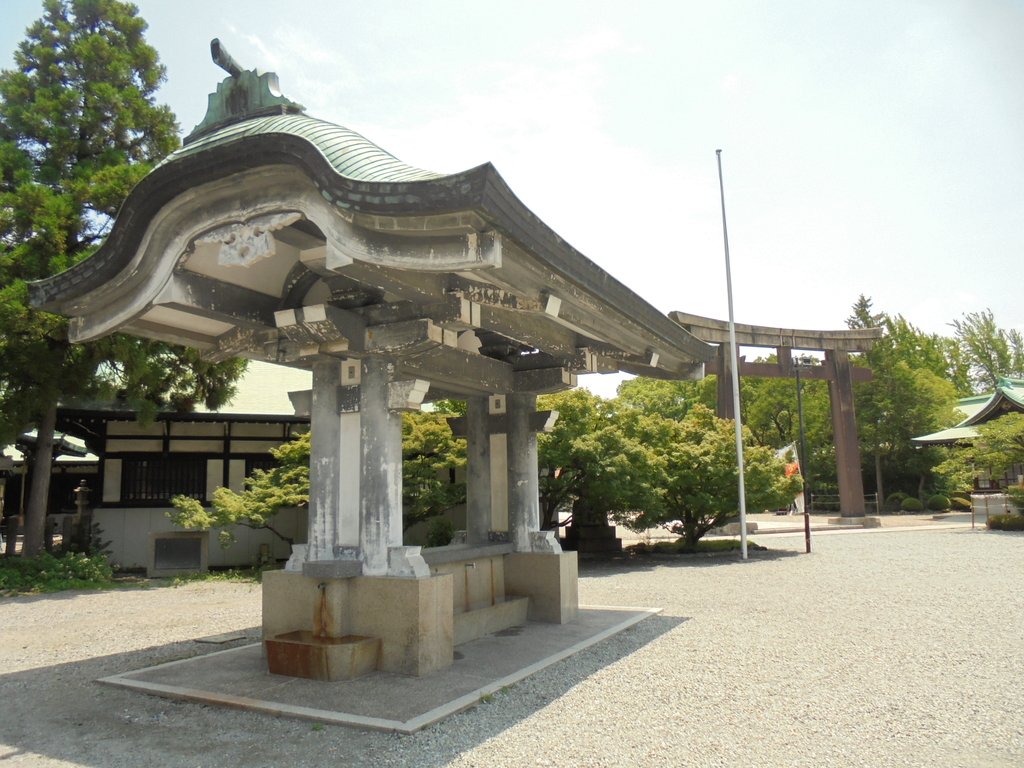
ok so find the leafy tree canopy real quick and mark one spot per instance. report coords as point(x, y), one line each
point(916, 380)
point(79, 126)
point(266, 493)
point(593, 462)
point(990, 352)
point(431, 458)
point(998, 448)
point(668, 399)
point(699, 477)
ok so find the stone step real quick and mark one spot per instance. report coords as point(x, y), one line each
point(477, 623)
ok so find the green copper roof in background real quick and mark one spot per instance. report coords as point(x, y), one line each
point(350, 154)
point(977, 409)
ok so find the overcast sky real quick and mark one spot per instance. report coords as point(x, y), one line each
point(871, 147)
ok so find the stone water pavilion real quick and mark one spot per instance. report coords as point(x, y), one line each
point(276, 236)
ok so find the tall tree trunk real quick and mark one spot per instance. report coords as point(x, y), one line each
point(39, 491)
point(879, 490)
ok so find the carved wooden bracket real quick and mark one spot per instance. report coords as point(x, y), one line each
point(243, 243)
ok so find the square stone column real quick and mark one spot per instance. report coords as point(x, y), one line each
point(381, 468)
point(333, 464)
point(503, 486)
point(478, 471)
point(324, 463)
point(498, 445)
point(523, 477)
point(381, 401)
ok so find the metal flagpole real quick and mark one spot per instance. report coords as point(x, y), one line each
point(735, 371)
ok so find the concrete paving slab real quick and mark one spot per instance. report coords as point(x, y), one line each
point(238, 677)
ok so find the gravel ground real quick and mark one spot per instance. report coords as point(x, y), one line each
point(880, 649)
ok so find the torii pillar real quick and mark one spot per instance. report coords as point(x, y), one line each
point(844, 431)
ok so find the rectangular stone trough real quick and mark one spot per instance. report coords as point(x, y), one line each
point(303, 654)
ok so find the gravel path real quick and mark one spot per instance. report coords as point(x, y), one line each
point(879, 649)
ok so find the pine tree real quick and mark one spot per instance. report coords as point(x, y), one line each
point(79, 126)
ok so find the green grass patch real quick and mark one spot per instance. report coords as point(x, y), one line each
point(49, 573)
point(702, 547)
point(254, 575)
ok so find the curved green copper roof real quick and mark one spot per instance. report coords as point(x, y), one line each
point(348, 153)
point(355, 174)
point(978, 409)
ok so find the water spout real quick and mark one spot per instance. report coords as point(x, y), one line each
point(321, 613)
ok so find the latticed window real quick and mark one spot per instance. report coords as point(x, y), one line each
point(159, 478)
point(266, 463)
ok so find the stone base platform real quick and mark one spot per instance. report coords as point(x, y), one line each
point(863, 522)
point(381, 700)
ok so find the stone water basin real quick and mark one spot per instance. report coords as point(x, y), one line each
point(315, 657)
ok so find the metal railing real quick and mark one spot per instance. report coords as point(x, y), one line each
point(824, 503)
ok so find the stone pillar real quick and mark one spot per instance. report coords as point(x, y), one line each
point(844, 427)
point(499, 468)
point(478, 471)
point(349, 457)
point(324, 463)
point(381, 468)
point(523, 479)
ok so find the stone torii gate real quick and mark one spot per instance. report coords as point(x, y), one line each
point(275, 236)
point(837, 371)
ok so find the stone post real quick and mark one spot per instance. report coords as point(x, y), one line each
point(324, 463)
point(478, 471)
point(381, 468)
point(496, 405)
point(349, 454)
point(523, 480)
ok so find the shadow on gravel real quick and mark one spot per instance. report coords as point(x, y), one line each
point(64, 715)
point(61, 713)
point(604, 566)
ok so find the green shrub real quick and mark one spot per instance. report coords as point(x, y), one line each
point(701, 547)
point(440, 532)
point(1016, 494)
point(910, 504)
point(938, 503)
point(47, 573)
point(893, 501)
point(1008, 522)
point(960, 501)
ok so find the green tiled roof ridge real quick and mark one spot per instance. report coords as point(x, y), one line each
point(349, 153)
point(1012, 388)
point(1014, 394)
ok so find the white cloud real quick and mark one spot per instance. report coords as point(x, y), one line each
point(593, 44)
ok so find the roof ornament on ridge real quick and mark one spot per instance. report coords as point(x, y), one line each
point(244, 94)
